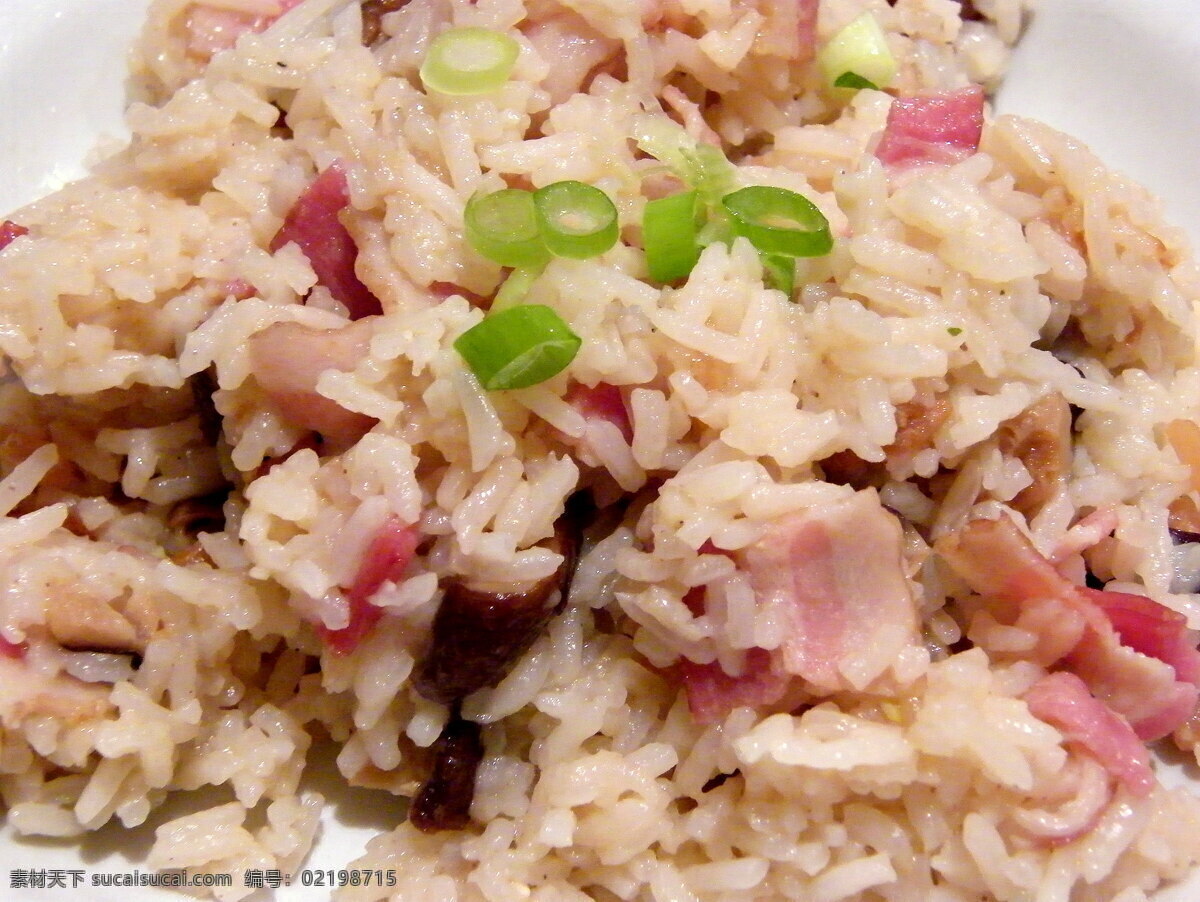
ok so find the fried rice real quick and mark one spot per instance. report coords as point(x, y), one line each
point(875, 580)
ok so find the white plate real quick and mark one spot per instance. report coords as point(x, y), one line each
point(1121, 75)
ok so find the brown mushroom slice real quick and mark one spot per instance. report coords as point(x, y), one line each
point(479, 635)
point(373, 12)
point(444, 800)
point(83, 622)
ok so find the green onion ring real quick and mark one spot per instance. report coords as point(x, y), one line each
point(518, 347)
point(469, 60)
point(576, 220)
point(503, 226)
point(778, 221)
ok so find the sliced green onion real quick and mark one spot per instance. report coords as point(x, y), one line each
point(503, 226)
point(469, 61)
point(955, 331)
point(669, 236)
point(576, 220)
point(778, 221)
point(861, 49)
point(518, 347)
point(701, 166)
point(855, 81)
point(780, 272)
point(515, 288)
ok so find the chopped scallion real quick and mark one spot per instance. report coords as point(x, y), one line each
point(855, 81)
point(778, 221)
point(701, 166)
point(780, 272)
point(469, 61)
point(669, 236)
point(503, 226)
point(515, 288)
point(860, 49)
point(576, 220)
point(955, 331)
point(518, 347)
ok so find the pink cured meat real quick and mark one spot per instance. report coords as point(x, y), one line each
point(942, 128)
point(837, 575)
point(1063, 701)
point(1118, 646)
point(386, 558)
point(712, 693)
point(211, 29)
point(1152, 629)
point(10, 232)
point(601, 402)
point(315, 226)
point(789, 28)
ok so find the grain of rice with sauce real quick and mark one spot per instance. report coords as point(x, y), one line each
point(873, 586)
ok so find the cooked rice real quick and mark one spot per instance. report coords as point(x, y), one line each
point(142, 660)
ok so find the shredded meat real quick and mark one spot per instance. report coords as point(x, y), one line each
point(287, 360)
point(1040, 437)
point(917, 422)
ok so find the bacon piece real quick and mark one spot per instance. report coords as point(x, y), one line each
point(1152, 629)
point(211, 29)
point(314, 224)
point(712, 693)
point(837, 574)
point(789, 28)
point(1144, 690)
point(385, 560)
point(1063, 701)
point(601, 401)
point(10, 232)
point(1088, 531)
point(1081, 629)
point(1090, 790)
point(940, 128)
point(287, 360)
point(13, 650)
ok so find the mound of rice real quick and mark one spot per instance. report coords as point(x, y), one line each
point(884, 586)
